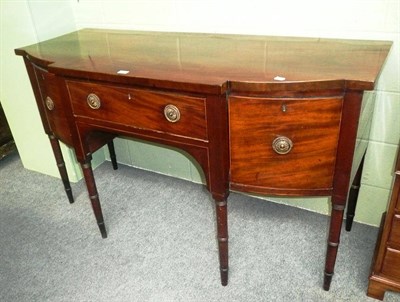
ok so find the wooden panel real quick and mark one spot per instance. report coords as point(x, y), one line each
point(394, 236)
point(391, 264)
point(312, 124)
point(398, 201)
point(140, 108)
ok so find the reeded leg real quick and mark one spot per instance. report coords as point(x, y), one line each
point(61, 166)
point(353, 196)
point(222, 231)
point(113, 157)
point(333, 243)
point(94, 197)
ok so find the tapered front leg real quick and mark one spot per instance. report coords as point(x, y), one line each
point(55, 145)
point(94, 197)
point(113, 157)
point(351, 109)
point(353, 196)
point(222, 236)
point(333, 243)
point(217, 170)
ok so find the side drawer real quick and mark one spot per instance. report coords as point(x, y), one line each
point(52, 105)
point(141, 108)
point(304, 133)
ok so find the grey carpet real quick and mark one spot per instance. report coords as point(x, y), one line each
point(161, 244)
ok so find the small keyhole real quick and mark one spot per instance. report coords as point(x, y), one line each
point(283, 107)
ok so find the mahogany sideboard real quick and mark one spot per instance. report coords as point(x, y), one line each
point(269, 115)
point(385, 273)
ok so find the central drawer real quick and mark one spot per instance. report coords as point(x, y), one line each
point(170, 113)
point(284, 145)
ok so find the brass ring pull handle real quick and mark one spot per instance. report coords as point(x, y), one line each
point(282, 145)
point(172, 113)
point(49, 103)
point(93, 101)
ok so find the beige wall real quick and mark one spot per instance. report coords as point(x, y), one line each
point(23, 23)
point(37, 20)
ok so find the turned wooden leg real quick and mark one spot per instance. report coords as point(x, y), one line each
point(113, 157)
point(61, 166)
point(353, 196)
point(94, 197)
point(222, 236)
point(333, 243)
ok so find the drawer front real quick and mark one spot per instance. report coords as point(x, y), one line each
point(394, 237)
point(52, 105)
point(163, 112)
point(309, 125)
point(391, 264)
point(398, 201)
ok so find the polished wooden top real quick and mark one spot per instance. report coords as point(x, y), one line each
point(210, 61)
